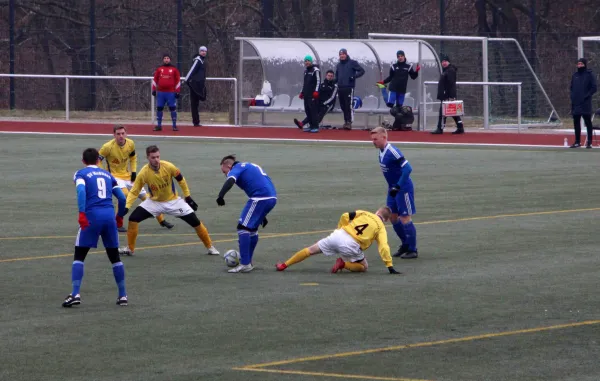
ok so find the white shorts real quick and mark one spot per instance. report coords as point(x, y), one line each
point(177, 208)
point(341, 243)
point(128, 184)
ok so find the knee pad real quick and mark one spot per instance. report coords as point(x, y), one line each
point(172, 108)
point(81, 253)
point(113, 255)
point(160, 108)
point(242, 227)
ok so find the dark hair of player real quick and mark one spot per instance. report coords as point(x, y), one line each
point(330, 71)
point(151, 149)
point(90, 156)
point(118, 127)
point(228, 157)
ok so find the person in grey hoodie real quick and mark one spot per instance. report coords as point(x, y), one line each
point(346, 73)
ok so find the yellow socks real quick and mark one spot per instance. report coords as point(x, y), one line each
point(132, 233)
point(354, 267)
point(203, 235)
point(298, 257)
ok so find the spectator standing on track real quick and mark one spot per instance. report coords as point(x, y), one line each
point(196, 80)
point(327, 95)
point(583, 86)
point(166, 85)
point(346, 73)
point(447, 92)
point(310, 94)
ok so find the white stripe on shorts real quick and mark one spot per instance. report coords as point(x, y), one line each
point(77, 238)
point(408, 206)
point(250, 211)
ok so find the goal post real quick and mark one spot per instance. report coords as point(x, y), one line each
point(431, 116)
point(498, 60)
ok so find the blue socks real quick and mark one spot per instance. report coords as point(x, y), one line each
point(253, 243)
point(174, 118)
point(159, 116)
point(76, 276)
point(119, 273)
point(411, 236)
point(245, 250)
point(399, 229)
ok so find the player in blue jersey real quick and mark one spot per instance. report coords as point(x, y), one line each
point(95, 188)
point(262, 199)
point(401, 193)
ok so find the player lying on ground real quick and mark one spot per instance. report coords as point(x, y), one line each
point(355, 233)
point(158, 175)
point(117, 153)
point(95, 188)
point(262, 199)
point(401, 192)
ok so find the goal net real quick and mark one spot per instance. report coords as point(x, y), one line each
point(505, 63)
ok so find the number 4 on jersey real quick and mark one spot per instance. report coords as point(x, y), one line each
point(360, 228)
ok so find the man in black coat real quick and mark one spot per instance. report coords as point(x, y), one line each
point(346, 73)
point(196, 80)
point(447, 92)
point(310, 94)
point(327, 95)
point(400, 71)
point(583, 86)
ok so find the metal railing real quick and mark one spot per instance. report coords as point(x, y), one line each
point(485, 84)
point(149, 79)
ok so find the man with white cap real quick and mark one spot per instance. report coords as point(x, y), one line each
point(196, 80)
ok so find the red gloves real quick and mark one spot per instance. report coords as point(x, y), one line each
point(301, 96)
point(83, 221)
point(119, 221)
point(418, 68)
point(381, 83)
point(315, 95)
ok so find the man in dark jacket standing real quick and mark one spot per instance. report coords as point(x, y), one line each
point(310, 94)
point(400, 71)
point(196, 80)
point(346, 73)
point(583, 86)
point(447, 92)
point(327, 95)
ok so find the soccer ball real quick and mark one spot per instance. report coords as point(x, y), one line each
point(232, 258)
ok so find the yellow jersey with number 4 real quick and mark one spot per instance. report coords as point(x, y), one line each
point(116, 158)
point(366, 228)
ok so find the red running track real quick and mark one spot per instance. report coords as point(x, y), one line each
point(276, 133)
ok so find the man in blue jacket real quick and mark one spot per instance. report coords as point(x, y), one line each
point(583, 86)
point(346, 72)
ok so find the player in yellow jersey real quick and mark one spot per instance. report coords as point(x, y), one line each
point(355, 233)
point(158, 175)
point(116, 154)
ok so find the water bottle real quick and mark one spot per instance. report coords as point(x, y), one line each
point(566, 144)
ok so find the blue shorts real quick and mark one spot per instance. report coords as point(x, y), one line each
point(255, 212)
point(101, 225)
point(403, 204)
point(168, 98)
point(392, 98)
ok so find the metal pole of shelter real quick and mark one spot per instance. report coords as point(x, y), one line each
point(519, 107)
point(419, 87)
point(486, 93)
point(240, 82)
point(11, 54)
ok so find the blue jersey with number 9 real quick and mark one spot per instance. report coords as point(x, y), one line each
point(98, 188)
point(253, 180)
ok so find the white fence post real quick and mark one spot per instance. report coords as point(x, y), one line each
point(67, 98)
